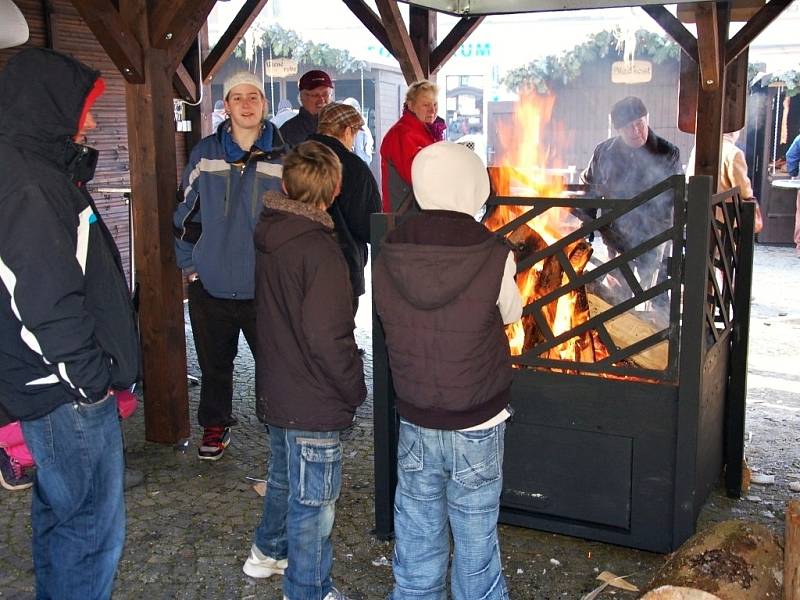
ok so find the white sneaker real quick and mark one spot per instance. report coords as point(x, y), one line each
point(260, 566)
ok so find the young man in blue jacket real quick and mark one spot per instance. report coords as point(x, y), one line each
point(227, 175)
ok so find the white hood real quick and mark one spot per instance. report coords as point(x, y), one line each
point(448, 176)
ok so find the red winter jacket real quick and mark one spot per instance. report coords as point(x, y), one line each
point(398, 149)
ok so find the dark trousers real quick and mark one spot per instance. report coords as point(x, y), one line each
point(216, 323)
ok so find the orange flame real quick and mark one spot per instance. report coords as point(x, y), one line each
point(524, 173)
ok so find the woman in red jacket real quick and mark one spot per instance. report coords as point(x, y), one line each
point(417, 127)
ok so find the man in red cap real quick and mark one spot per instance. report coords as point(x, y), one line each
point(316, 90)
point(67, 326)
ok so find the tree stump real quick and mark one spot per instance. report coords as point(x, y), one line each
point(734, 560)
point(670, 592)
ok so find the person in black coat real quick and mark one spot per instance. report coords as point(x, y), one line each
point(626, 165)
point(359, 196)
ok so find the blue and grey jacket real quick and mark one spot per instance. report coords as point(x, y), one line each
point(220, 202)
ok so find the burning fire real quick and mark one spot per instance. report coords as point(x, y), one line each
point(524, 173)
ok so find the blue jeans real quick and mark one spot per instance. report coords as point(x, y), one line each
point(448, 482)
point(78, 506)
point(305, 477)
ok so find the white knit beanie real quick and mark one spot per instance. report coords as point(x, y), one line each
point(448, 176)
point(240, 78)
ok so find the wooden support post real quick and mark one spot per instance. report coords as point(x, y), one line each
point(199, 115)
point(151, 140)
point(734, 110)
point(422, 30)
point(791, 553)
point(402, 48)
point(709, 46)
point(710, 96)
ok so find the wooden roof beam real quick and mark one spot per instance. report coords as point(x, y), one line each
point(452, 42)
point(708, 45)
point(174, 25)
point(184, 84)
point(674, 28)
point(422, 24)
point(765, 15)
point(400, 40)
point(231, 38)
point(370, 20)
point(114, 35)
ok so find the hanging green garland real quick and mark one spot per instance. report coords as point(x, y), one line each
point(789, 78)
point(545, 74)
point(286, 43)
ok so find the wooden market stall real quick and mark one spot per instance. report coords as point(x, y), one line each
point(153, 45)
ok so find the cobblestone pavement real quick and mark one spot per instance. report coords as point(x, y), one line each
point(190, 523)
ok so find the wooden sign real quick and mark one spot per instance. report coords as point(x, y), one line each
point(280, 67)
point(633, 71)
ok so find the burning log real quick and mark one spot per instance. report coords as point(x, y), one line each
point(547, 279)
point(525, 242)
point(627, 329)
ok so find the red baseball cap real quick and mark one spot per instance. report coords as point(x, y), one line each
point(314, 79)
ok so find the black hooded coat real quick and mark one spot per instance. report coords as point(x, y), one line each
point(67, 325)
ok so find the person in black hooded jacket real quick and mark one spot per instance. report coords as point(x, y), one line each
point(359, 196)
point(68, 334)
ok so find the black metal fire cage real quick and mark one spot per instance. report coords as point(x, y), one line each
point(619, 450)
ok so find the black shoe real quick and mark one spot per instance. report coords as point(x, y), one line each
point(13, 476)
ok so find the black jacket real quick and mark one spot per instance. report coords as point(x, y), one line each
point(619, 171)
point(297, 129)
point(310, 375)
point(352, 208)
point(67, 327)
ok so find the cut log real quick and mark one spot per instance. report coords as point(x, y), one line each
point(791, 563)
point(734, 560)
point(627, 329)
point(670, 592)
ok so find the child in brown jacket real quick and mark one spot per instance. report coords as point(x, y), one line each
point(309, 372)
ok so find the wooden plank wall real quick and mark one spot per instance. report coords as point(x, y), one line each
point(56, 24)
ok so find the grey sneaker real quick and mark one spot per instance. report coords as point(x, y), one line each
point(334, 594)
point(261, 566)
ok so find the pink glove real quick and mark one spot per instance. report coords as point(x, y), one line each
point(126, 403)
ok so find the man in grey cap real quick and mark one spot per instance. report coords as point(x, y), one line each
point(626, 165)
